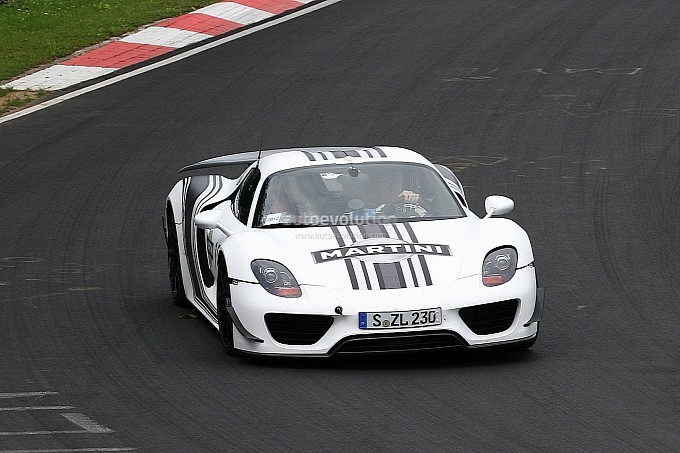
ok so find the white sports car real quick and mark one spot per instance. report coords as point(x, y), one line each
point(330, 250)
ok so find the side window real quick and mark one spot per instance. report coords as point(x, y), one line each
point(244, 196)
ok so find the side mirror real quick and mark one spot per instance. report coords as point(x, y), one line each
point(208, 220)
point(498, 205)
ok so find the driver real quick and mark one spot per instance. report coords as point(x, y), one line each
point(390, 184)
point(385, 189)
point(393, 187)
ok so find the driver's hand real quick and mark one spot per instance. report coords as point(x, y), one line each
point(410, 197)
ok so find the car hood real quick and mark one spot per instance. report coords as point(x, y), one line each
point(379, 256)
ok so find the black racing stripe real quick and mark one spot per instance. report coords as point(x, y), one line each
point(352, 238)
point(208, 278)
point(364, 269)
point(350, 265)
point(309, 155)
point(338, 236)
point(421, 258)
point(381, 279)
point(348, 262)
point(201, 242)
point(381, 153)
point(400, 275)
point(390, 275)
point(366, 277)
point(373, 232)
point(412, 268)
point(411, 233)
point(370, 232)
point(392, 272)
point(410, 260)
point(396, 230)
point(426, 270)
point(197, 185)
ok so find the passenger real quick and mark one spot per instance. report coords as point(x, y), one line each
point(286, 202)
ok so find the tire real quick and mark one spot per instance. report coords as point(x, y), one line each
point(175, 270)
point(226, 326)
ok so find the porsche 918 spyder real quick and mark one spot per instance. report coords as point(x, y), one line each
point(332, 250)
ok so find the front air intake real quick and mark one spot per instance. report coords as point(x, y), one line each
point(490, 318)
point(297, 329)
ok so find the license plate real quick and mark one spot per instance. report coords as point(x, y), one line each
point(400, 319)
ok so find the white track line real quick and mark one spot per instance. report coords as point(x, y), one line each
point(35, 408)
point(26, 394)
point(66, 450)
point(86, 423)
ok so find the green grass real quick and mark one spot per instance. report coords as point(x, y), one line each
point(36, 32)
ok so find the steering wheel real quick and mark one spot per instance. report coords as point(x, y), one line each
point(400, 208)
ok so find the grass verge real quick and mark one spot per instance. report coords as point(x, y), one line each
point(11, 100)
point(39, 32)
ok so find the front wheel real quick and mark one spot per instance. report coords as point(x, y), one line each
point(224, 322)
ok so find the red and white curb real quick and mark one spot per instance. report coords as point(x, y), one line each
point(158, 39)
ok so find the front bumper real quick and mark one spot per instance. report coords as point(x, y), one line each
point(325, 321)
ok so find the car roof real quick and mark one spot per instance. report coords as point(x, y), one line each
point(273, 160)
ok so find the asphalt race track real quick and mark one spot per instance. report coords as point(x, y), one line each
point(571, 108)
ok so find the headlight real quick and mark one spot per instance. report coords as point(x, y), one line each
point(499, 266)
point(275, 278)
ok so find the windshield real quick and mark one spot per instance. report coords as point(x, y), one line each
point(354, 194)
